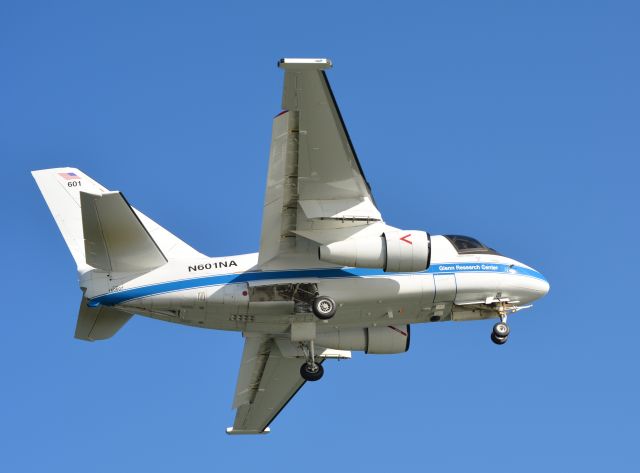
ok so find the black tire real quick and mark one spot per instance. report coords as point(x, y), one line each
point(309, 375)
point(501, 330)
point(498, 340)
point(324, 307)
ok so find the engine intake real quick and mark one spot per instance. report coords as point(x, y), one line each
point(394, 251)
point(375, 340)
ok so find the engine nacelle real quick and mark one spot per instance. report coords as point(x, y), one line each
point(394, 251)
point(375, 340)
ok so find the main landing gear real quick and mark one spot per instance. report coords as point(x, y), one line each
point(310, 369)
point(500, 332)
point(311, 372)
point(323, 307)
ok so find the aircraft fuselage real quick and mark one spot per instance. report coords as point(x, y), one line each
point(228, 293)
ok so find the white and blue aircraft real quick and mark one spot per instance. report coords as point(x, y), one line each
point(330, 277)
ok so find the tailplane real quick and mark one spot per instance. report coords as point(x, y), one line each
point(114, 238)
point(99, 323)
point(101, 229)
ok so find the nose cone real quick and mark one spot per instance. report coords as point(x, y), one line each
point(539, 287)
point(528, 284)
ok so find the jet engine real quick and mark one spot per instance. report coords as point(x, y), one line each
point(394, 251)
point(375, 340)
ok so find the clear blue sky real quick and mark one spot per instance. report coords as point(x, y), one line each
point(514, 122)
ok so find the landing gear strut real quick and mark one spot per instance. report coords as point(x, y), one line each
point(310, 369)
point(500, 332)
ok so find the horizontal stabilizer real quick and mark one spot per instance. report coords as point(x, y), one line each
point(99, 323)
point(115, 239)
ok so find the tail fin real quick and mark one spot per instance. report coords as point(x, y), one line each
point(61, 189)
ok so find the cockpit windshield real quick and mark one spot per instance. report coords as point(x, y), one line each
point(467, 245)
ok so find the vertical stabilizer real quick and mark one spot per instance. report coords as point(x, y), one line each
point(61, 189)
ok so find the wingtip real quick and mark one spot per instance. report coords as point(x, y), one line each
point(304, 63)
point(232, 431)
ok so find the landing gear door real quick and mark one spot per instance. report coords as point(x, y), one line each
point(236, 298)
point(445, 287)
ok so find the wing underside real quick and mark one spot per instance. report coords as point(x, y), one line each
point(269, 378)
point(266, 383)
point(316, 189)
point(316, 194)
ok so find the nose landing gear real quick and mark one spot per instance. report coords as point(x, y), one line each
point(500, 332)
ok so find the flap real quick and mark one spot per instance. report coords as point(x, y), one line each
point(266, 383)
point(254, 357)
point(348, 209)
point(288, 349)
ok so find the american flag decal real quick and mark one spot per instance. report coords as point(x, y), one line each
point(68, 175)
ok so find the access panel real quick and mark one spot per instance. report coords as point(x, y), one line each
point(445, 287)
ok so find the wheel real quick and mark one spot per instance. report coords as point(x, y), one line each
point(324, 307)
point(498, 340)
point(501, 330)
point(309, 374)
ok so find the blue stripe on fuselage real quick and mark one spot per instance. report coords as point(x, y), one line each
point(161, 288)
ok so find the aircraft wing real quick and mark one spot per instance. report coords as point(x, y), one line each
point(316, 190)
point(269, 378)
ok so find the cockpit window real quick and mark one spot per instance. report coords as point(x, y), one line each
point(467, 245)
